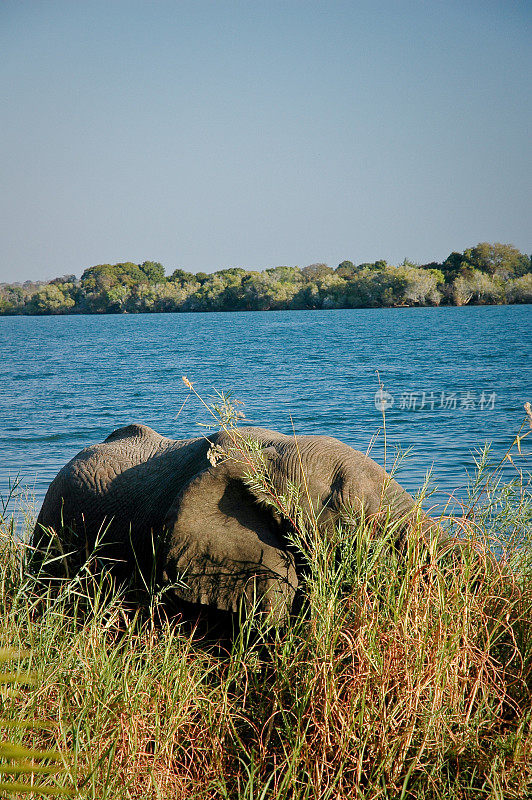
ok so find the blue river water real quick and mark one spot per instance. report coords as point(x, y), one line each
point(457, 377)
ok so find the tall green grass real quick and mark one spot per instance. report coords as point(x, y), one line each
point(406, 675)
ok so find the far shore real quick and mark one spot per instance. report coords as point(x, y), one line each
point(488, 274)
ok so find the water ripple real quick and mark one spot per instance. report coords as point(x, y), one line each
point(69, 381)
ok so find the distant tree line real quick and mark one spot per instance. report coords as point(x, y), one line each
point(485, 274)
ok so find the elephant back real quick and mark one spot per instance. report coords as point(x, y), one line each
point(117, 492)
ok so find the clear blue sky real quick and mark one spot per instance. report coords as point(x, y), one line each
point(215, 134)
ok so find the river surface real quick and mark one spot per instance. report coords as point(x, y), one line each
point(457, 377)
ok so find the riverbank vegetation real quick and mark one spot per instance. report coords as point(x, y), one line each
point(405, 676)
point(485, 274)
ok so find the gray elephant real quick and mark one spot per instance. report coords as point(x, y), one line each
point(205, 513)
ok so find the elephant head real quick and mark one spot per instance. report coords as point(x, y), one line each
point(218, 508)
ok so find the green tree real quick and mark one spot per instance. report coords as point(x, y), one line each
point(375, 286)
point(65, 279)
point(434, 265)
point(50, 299)
point(381, 264)
point(421, 286)
point(503, 260)
point(99, 278)
point(477, 287)
point(12, 299)
point(285, 274)
point(314, 271)
point(452, 265)
point(129, 273)
point(231, 274)
point(332, 291)
point(519, 290)
point(117, 297)
point(104, 276)
point(346, 269)
point(182, 277)
point(153, 271)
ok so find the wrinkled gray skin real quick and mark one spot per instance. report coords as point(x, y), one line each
point(139, 489)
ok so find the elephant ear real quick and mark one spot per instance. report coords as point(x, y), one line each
point(226, 546)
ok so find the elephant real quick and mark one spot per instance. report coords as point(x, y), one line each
point(204, 513)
